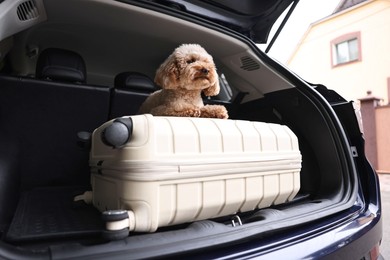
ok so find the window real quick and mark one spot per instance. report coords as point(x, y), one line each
point(346, 49)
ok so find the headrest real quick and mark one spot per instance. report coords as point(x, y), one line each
point(61, 65)
point(134, 81)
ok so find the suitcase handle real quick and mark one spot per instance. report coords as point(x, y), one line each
point(118, 133)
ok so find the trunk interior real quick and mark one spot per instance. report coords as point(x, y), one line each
point(44, 158)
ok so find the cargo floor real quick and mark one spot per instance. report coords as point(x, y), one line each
point(49, 213)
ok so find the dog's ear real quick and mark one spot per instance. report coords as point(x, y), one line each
point(212, 90)
point(167, 75)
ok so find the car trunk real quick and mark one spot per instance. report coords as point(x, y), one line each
point(45, 162)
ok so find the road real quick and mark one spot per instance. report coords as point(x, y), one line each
point(385, 191)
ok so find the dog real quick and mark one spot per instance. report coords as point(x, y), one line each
point(183, 76)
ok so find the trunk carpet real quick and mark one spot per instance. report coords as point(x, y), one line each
point(48, 213)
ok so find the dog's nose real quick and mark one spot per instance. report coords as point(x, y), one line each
point(204, 71)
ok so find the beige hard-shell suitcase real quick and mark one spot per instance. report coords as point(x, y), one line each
point(169, 170)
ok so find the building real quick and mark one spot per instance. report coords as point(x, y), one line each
point(348, 51)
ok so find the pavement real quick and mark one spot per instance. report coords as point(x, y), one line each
point(385, 192)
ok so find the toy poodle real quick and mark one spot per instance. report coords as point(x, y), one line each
point(183, 76)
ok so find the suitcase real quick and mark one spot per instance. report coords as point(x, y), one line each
point(161, 171)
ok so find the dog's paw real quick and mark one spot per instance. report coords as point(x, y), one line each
point(193, 113)
point(223, 115)
point(214, 111)
point(187, 113)
point(197, 113)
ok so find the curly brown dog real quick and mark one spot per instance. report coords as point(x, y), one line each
point(187, 72)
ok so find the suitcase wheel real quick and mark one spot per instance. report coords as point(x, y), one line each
point(118, 133)
point(118, 224)
point(115, 235)
point(115, 215)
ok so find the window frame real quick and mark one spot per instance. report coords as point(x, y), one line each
point(341, 39)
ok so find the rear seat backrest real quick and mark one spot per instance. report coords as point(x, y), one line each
point(43, 118)
point(130, 91)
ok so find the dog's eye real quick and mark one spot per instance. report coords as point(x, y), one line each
point(190, 61)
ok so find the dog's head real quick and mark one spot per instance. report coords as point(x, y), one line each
point(189, 67)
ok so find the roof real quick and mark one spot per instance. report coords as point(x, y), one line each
point(345, 4)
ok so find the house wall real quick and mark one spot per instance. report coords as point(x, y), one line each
point(312, 59)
